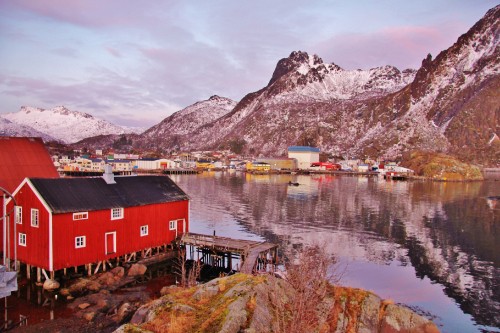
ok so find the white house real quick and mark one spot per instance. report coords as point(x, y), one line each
point(154, 164)
point(304, 155)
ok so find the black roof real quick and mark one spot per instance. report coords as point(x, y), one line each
point(65, 195)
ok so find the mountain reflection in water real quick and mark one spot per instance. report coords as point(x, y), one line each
point(433, 246)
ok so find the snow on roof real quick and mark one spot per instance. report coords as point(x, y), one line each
point(303, 149)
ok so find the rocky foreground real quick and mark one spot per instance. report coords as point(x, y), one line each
point(244, 303)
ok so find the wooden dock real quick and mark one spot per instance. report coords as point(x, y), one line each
point(219, 251)
point(181, 171)
point(396, 176)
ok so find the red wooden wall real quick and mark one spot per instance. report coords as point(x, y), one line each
point(36, 251)
point(128, 237)
point(64, 230)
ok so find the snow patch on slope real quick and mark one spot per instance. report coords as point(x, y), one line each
point(192, 117)
point(63, 124)
point(8, 128)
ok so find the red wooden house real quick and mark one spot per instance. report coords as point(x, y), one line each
point(68, 222)
point(21, 158)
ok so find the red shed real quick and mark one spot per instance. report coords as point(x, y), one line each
point(68, 222)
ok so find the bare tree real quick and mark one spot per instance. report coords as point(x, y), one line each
point(188, 275)
point(308, 275)
point(194, 273)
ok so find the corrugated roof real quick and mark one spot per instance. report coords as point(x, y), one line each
point(303, 149)
point(21, 158)
point(66, 195)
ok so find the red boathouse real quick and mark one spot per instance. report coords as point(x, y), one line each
point(69, 222)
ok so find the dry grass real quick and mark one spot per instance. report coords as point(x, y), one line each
point(383, 307)
point(442, 167)
point(171, 322)
point(217, 315)
point(349, 303)
point(208, 312)
point(222, 285)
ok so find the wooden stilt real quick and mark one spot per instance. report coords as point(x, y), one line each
point(97, 267)
point(38, 275)
point(28, 292)
point(28, 271)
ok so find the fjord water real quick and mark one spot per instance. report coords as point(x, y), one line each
point(433, 246)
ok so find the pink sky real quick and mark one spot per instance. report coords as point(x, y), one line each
point(134, 65)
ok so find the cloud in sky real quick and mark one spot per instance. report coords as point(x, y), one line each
point(134, 62)
point(403, 46)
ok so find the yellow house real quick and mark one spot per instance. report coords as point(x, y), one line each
point(258, 166)
point(204, 164)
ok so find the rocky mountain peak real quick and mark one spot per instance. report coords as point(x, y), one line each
point(476, 51)
point(296, 61)
point(216, 98)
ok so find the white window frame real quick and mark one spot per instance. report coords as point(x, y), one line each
point(21, 240)
point(18, 214)
point(80, 216)
point(80, 242)
point(118, 216)
point(144, 230)
point(172, 225)
point(35, 218)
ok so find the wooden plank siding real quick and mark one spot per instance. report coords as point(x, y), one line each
point(36, 251)
point(128, 234)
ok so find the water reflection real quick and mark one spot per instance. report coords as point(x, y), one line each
point(425, 234)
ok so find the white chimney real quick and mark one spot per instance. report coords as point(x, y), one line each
point(108, 175)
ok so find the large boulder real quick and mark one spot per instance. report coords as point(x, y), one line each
point(399, 319)
point(118, 271)
point(264, 304)
point(125, 311)
point(51, 285)
point(137, 270)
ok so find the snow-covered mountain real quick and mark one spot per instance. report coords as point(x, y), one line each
point(181, 123)
point(8, 128)
point(451, 104)
point(192, 117)
point(305, 77)
point(62, 124)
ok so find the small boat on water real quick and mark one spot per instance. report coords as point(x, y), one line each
point(492, 201)
point(290, 183)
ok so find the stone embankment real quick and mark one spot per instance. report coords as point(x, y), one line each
point(255, 304)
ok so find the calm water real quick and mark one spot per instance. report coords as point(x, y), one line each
point(432, 246)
